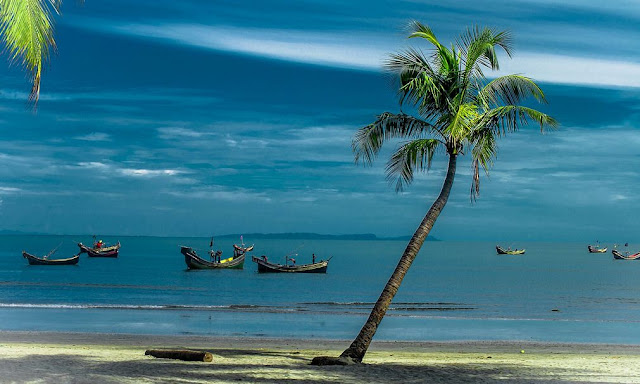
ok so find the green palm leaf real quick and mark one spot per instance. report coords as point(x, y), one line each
point(368, 140)
point(26, 29)
point(510, 90)
point(415, 155)
point(509, 118)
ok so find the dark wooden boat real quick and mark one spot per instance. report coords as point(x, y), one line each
point(111, 251)
point(194, 261)
point(35, 260)
point(620, 256)
point(502, 251)
point(596, 249)
point(264, 266)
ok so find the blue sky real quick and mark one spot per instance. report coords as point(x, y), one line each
point(197, 118)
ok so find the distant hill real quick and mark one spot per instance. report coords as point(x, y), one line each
point(316, 236)
point(276, 236)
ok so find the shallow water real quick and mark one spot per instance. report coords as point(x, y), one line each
point(454, 291)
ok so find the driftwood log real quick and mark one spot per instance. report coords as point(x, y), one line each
point(180, 354)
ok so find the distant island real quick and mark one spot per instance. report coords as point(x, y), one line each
point(317, 236)
point(277, 236)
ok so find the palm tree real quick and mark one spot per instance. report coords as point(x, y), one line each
point(460, 112)
point(26, 29)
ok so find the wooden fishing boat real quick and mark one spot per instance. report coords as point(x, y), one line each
point(194, 261)
point(35, 260)
point(620, 256)
point(111, 251)
point(596, 249)
point(265, 266)
point(502, 251)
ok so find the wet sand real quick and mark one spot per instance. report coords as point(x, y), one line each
point(44, 357)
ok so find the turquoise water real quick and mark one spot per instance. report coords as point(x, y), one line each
point(454, 291)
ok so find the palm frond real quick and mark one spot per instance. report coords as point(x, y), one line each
point(415, 155)
point(509, 118)
point(483, 152)
point(26, 29)
point(368, 140)
point(417, 78)
point(510, 90)
point(444, 59)
point(423, 31)
point(461, 123)
point(478, 47)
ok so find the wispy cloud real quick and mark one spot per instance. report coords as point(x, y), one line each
point(618, 197)
point(357, 50)
point(299, 46)
point(94, 136)
point(573, 70)
point(217, 192)
point(9, 190)
point(93, 165)
point(141, 172)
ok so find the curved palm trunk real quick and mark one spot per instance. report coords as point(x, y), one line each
point(359, 346)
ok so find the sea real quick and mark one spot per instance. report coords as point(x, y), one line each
point(455, 291)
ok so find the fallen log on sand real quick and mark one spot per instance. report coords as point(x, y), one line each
point(180, 354)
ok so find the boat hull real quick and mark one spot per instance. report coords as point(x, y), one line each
point(194, 261)
point(593, 249)
point(267, 267)
point(619, 256)
point(502, 251)
point(105, 252)
point(35, 260)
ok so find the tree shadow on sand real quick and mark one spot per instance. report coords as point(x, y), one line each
point(294, 369)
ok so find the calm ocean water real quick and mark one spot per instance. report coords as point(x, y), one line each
point(454, 291)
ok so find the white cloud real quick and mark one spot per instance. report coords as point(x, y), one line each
point(8, 190)
point(299, 46)
point(94, 136)
point(222, 193)
point(169, 133)
point(141, 172)
point(359, 50)
point(92, 165)
point(618, 197)
point(573, 70)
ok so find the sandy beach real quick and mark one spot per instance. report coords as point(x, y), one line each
point(37, 357)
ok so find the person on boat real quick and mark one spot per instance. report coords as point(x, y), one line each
point(508, 248)
point(99, 244)
point(293, 261)
point(313, 258)
point(264, 258)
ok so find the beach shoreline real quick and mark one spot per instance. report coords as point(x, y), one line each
point(53, 357)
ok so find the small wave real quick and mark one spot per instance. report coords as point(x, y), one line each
point(113, 306)
point(168, 307)
point(394, 308)
point(359, 303)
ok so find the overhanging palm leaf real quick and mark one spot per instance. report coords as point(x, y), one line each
point(26, 29)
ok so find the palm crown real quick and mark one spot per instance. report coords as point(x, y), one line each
point(460, 109)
